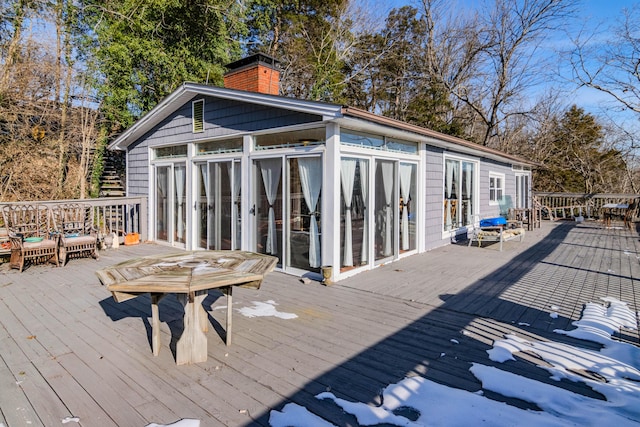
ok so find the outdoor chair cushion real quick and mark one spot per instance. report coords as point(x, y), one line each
point(46, 243)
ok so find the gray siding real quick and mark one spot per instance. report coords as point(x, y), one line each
point(487, 166)
point(222, 117)
point(434, 192)
point(433, 197)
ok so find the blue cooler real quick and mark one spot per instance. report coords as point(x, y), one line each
point(493, 222)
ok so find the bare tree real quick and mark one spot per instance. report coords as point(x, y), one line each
point(491, 60)
point(612, 65)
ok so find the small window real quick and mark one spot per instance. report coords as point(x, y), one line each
point(299, 138)
point(377, 142)
point(169, 152)
point(219, 146)
point(198, 115)
point(496, 187)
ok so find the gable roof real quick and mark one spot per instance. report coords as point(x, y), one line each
point(188, 90)
point(349, 116)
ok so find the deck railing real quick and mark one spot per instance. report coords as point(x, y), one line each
point(568, 205)
point(121, 215)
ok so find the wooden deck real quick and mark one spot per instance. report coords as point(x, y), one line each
point(68, 349)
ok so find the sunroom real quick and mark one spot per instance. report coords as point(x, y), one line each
point(316, 185)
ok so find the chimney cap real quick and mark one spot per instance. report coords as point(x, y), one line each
point(257, 58)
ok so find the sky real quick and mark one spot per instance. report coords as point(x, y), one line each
point(591, 15)
point(424, 403)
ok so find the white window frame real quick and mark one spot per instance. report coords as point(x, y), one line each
point(475, 200)
point(496, 192)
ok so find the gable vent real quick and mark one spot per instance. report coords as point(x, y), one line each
point(198, 115)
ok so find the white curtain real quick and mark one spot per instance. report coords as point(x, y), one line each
point(387, 183)
point(235, 177)
point(467, 184)
point(449, 187)
point(405, 190)
point(180, 173)
point(347, 177)
point(205, 178)
point(364, 189)
point(271, 170)
point(310, 169)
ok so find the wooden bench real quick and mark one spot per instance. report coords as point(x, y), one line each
point(499, 233)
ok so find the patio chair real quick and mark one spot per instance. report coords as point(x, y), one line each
point(29, 231)
point(73, 222)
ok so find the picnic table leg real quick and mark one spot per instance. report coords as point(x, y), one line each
point(155, 323)
point(192, 345)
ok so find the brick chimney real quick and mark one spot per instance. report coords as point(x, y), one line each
point(255, 73)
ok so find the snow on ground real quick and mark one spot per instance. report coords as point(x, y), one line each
point(263, 309)
point(617, 364)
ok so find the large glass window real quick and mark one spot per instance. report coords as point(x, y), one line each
point(459, 193)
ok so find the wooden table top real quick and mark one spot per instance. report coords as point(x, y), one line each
point(185, 272)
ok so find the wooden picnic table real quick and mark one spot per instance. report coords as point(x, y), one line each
point(610, 210)
point(189, 275)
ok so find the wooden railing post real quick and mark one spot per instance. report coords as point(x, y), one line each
point(143, 220)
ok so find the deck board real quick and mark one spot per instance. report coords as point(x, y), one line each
point(73, 350)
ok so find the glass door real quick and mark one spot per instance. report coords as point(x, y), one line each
point(522, 191)
point(354, 213)
point(170, 203)
point(162, 202)
point(218, 206)
point(304, 201)
point(384, 201)
point(408, 203)
point(268, 207)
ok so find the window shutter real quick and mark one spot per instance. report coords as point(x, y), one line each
point(198, 115)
